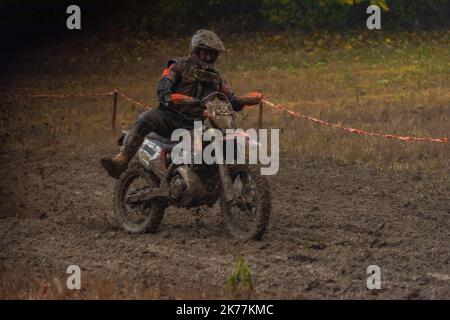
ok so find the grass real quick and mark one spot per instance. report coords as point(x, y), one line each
point(384, 82)
point(25, 285)
point(240, 283)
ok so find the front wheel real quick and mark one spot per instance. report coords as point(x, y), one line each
point(137, 216)
point(247, 216)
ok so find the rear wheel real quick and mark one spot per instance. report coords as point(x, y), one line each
point(247, 216)
point(137, 216)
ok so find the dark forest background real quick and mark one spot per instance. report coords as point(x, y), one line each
point(26, 23)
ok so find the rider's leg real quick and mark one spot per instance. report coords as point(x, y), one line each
point(153, 120)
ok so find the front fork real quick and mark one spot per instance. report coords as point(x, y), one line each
point(225, 179)
point(227, 184)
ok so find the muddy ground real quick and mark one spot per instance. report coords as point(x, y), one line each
point(330, 222)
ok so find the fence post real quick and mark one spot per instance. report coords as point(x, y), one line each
point(114, 111)
point(260, 114)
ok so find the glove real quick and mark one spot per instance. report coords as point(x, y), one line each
point(183, 100)
point(236, 104)
point(251, 98)
point(175, 100)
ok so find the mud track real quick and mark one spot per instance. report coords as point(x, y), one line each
point(330, 222)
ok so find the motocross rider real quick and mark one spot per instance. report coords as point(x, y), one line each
point(192, 76)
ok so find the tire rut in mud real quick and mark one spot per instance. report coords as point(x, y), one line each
point(329, 222)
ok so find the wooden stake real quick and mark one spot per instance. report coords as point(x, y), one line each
point(114, 111)
point(260, 115)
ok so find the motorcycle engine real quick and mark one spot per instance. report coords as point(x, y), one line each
point(186, 189)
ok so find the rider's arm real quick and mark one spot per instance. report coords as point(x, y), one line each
point(169, 76)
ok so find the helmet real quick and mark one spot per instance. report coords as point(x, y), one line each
point(207, 40)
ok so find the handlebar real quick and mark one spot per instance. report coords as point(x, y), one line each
point(246, 100)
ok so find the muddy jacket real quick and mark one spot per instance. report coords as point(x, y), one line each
point(185, 76)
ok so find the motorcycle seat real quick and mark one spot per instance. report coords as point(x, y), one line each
point(165, 143)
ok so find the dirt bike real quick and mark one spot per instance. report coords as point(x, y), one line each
point(153, 181)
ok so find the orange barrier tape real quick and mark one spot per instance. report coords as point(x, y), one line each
point(273, 105)
point(141, 105)
point(352, 130)
point(81, 95)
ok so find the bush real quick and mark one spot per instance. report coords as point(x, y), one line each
point(184, 16)
point(331, 14)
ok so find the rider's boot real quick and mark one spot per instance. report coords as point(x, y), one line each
point(117, 164)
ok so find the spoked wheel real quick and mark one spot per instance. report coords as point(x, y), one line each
point(137, 216)
point(247, 216)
